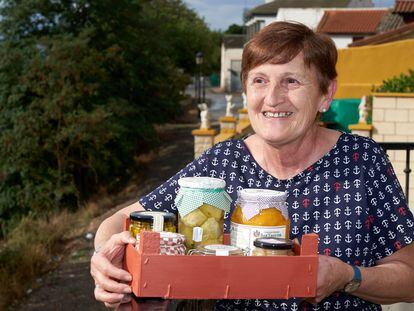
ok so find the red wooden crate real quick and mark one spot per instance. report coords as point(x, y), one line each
point(221, 277)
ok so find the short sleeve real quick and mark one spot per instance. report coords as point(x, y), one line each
point(162, 197)
point(389, 218)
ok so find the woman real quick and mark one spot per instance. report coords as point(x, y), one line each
point(340, 186)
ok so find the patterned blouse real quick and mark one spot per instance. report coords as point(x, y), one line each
point(350, 197)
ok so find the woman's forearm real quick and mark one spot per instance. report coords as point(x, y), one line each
point(114, 224)
point(387, 283)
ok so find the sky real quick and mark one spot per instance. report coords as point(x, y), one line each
point(219, 14)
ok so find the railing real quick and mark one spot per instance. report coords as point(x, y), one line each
point(407, 147)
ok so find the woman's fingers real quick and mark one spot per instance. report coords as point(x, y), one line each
point(102, 266)
point(107, 297)
point(120, 239)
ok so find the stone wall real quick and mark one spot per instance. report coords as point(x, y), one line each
point(393, 121)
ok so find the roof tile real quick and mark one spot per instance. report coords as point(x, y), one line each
point(350, 21)
point(404, 6)
point(404, 32)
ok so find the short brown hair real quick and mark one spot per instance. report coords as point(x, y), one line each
point(280, 42)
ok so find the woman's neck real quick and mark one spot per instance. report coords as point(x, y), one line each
point(288, 160)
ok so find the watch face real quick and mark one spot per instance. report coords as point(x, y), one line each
point(352, 286)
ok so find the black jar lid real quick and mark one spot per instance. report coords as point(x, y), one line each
point(273, 243)
point(147, 216)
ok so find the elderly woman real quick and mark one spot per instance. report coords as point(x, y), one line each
point(339, 185)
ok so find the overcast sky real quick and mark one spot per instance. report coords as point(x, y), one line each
point(219, 14)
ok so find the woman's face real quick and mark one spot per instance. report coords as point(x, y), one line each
point(283, 100)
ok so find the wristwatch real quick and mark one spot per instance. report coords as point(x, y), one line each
point(353, 285)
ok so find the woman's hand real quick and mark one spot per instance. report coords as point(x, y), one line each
point(106, 269)
point(333, 274)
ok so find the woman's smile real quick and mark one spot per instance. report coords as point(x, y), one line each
point(277, 114)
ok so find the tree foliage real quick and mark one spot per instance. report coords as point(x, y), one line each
point(235, 29)
point(404, 83)
point(81, 85)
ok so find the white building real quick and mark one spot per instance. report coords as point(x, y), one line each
point(231, 55)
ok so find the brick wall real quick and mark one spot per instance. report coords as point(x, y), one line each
point(393, 121)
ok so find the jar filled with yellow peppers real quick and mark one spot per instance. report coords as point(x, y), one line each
point(202, 202)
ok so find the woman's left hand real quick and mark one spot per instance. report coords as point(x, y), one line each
point(333, 274)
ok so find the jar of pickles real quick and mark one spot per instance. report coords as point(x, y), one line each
point(272, 247)
point(259, 213)
point(151, 221)
point(202, 202)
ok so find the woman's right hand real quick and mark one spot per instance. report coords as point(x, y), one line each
point(106, 270)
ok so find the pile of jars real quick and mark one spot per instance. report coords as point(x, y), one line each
point(259, 222)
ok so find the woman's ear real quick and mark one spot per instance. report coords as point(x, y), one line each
point(329, 95)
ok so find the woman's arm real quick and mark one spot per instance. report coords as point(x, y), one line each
point(390, 281)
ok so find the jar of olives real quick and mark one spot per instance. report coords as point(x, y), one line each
point(202, 202)
point(259, 213)
point(151, 221)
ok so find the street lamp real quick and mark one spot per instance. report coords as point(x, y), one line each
point(199, 79)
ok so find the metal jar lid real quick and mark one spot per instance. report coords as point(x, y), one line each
point(218, 250)
point(145, 216)
point(273, 243)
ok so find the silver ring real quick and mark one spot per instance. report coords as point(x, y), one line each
point(97, 286)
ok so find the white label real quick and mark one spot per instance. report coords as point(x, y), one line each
point(243, 236)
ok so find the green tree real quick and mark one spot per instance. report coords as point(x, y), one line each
point(235, 29)
point(81, 85)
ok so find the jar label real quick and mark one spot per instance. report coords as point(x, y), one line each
point(243, 236)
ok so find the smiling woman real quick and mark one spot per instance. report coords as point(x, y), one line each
point(338, 185)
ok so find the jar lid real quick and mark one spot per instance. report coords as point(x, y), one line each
point(149, 216)
point(202, 183)
point(273, 243)
point(219, 250)
point(262, 195)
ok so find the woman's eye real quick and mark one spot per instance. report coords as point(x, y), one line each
point(258, 81)
point(292, 81)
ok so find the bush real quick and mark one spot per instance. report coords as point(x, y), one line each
point(404, 83)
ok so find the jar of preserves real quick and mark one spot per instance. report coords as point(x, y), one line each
point(272, 247)
point(217, 250)
point(151, 221)
point(202, 202)
point(259, 213)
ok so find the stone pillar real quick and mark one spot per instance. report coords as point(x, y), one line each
point(203, 139)
point(361, 129)
point(228, 125)
point(244, 121)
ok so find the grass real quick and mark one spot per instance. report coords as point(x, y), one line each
point(34, 247)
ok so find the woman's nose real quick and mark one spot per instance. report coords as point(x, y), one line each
point(275, 95)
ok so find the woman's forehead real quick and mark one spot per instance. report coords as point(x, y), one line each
point(295, 66)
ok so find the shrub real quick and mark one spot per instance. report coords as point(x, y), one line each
point(404, 83)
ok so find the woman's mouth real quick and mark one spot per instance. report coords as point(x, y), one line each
point(282, 114)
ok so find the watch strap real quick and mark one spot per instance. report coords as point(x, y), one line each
point(357, 274)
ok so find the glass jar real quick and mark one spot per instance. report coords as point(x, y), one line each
point(172, 243)
point(259, 213)
point(217, 250)
point(151, 221)
point(202, 202)
point(272, 247)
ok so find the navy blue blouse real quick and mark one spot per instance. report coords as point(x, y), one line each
point(350, 197)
